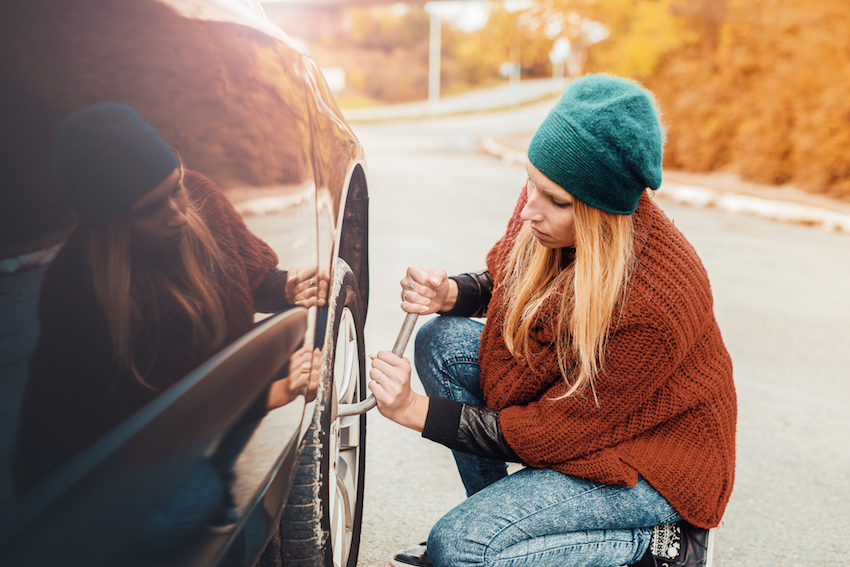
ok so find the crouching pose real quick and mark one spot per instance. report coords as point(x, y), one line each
point(600, 367)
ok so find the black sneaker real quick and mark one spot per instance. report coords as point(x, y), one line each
point(415, 555)
point(678, 545)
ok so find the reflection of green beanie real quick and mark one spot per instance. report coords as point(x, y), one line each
point(602, 143)
point(105, 157)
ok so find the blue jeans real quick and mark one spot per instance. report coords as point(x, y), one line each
point(535, 517)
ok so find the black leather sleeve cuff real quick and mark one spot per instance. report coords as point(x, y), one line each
point(480, 433)
point(473, 294)
point(270, 295)
point(468, 429)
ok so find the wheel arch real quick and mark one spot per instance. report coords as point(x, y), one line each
point(354, 233)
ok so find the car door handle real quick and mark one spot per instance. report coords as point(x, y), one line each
point(401, 341)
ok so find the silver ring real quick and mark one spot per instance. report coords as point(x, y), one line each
point(411, 284)
point(404, 296)
point(378, 382)
point(312, 282)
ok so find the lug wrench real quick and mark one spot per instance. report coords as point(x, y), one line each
point(404, 334)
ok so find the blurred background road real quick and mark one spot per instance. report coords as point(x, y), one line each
point(780, 293)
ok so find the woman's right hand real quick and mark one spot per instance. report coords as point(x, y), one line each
point(426, 291)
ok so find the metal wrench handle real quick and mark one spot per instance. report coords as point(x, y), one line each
point(404, 334)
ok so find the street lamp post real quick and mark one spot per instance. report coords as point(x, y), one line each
point(434, 49)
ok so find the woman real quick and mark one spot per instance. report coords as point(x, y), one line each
point(600, 367)
point(160, 273)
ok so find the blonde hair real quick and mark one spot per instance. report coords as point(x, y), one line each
point(593, 282)
point(127, 299)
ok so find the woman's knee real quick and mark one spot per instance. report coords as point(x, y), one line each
point(441, 342)
point(446, 335)
point(432, 336)
point(449, 544)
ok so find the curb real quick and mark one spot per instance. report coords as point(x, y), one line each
point(699, 196)
point(504, 96)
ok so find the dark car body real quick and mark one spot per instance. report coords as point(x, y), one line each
point(239, 102)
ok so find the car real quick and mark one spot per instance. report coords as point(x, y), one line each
point(242, 105)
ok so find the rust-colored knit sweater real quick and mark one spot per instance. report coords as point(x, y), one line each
point(667, 406)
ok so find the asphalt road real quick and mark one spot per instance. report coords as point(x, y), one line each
point(781, 300)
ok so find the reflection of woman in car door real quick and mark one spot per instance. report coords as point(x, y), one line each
point(160, 274)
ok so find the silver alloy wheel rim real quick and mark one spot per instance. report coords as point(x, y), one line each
point(344, 441)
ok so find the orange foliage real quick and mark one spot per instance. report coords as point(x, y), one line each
point(762, 90)
point(384, 54)
point(385, 51)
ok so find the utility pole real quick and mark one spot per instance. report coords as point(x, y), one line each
point(434, 50)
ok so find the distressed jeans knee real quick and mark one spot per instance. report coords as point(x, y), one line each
point(446, 358)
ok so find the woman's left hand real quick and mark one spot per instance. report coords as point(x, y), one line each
point(307, 286)
point(390, 383)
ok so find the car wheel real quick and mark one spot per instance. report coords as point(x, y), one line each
point(321, 522)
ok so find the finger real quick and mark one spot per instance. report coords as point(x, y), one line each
point(377, 390)
point(413, 303)
point(418, 309)
point(437, 277)
point(393, 359)
point(384, 371)
point(298, 381)
point(392, 380)
point(426, 290)
point(375, 375)
point(417, 280)
point(307, 303)
point(307, 292)
point(414, 298)
point(299, 357)
point(380, 386)
point(398, 375)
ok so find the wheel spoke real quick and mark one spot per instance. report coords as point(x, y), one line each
point(346, 366)
point(345, 441)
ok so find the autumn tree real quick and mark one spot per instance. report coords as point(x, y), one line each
point(628, 37)
point(517, 36)
point(761, 90)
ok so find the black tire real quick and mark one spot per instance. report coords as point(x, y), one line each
point(320, 526)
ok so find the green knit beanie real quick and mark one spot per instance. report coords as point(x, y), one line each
point(602, 143)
